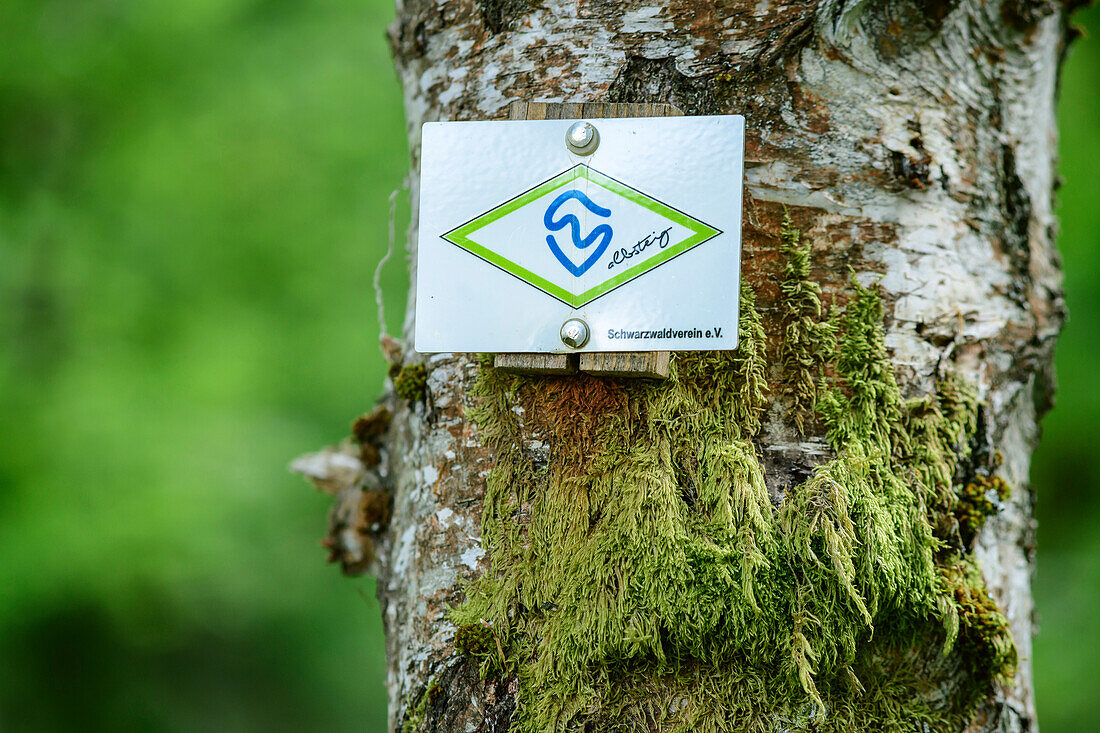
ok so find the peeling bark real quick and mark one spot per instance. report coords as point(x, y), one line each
point(911, 142)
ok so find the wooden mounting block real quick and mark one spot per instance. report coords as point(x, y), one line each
point(642, 364)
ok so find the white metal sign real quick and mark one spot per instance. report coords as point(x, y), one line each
point(637, 236)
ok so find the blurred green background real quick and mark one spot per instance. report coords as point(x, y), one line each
point(193, 197)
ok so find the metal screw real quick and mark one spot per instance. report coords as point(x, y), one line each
point(574, 333)
point(582, 138)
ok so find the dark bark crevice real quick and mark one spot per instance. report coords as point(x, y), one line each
point(659, 81)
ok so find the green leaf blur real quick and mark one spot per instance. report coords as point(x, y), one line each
point(1066, 468)
point(193, 197)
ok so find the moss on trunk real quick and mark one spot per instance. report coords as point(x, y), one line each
point(642, 574)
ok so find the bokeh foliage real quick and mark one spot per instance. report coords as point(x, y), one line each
point(1066, 468)
point(193, 196)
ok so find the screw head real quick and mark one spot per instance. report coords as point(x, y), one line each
point(582, 138)
point(574, 333)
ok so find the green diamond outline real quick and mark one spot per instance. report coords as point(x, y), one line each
point(460, 235)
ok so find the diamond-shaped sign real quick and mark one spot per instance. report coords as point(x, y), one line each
point(638, 238)
point(580, 235)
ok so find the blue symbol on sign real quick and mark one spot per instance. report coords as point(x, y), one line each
point(602, 233)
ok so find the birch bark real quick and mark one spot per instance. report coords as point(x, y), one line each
point(911, 142)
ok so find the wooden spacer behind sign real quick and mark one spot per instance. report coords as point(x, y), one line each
point(642, 364)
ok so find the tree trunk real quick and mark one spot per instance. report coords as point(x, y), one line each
point(830, 529)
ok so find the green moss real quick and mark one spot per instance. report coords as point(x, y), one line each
point(981, 632)
point(976, 504)
point(646, 560)
point(939, 426)
point(475, 640)
point(749, 368)
point(478, 642)
point(414, 719)
point(411, 383)
point(808, 340)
